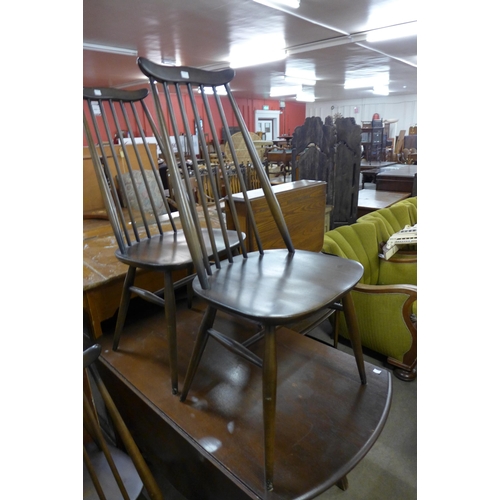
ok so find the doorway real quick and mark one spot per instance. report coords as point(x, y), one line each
point(266, 127)
point(268, 122)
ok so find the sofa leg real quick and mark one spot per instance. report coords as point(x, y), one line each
point(405, 375)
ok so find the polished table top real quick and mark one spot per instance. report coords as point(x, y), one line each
point(398, 171)
point(373, 199)
point(326, 419)
point(375, 164)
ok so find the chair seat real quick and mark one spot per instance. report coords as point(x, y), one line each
point(169, 250)
point(280, 287)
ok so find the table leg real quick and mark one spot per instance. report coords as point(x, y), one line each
point(269, 379)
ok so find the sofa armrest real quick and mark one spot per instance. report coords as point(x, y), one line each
point(387, 319)
point(397, 271)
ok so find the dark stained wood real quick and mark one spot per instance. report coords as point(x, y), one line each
point(110, 473)
point(303, 206)
point(136, 203)
point(346, 172)
point(372, 199)
point(332, 153)
point(212, 446)
point(399, 179)
point(273, 287)
point(313, 149)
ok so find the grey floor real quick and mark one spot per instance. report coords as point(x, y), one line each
point(389, 470)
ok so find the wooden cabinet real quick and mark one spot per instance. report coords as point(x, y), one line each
point(373, 140)
point(303, 204)
point(92, 199)
point(402, 179)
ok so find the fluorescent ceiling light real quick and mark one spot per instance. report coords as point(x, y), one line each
point(381, 90)
point(392, 32)
point(294, 4)
point(367, 81)
point(285, 90)
point(242, 60)
point(221, 90)
point(305, 97)
point(246, 55)
point(299, 80)
point(109, 49)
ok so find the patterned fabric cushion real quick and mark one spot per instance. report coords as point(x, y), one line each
point(157, 196)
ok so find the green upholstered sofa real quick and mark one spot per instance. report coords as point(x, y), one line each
point(392, 219)
point(385, 298)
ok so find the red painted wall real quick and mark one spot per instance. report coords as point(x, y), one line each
point(292, 116)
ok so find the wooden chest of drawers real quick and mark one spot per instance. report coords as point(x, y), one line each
point(303, 205)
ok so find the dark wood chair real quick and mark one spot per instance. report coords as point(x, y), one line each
point(146, 232)
point(109, 472)
point(272, 288)
point(277, 159)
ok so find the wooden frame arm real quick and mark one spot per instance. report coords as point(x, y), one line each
point(410, 358)
point(404, 258)
point(411, 290)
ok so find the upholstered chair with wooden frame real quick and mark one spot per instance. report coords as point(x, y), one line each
point(389, 221)
point(392, 219)
point(271, 288)
point(110, 472)
point(385, 298)
point(146, 232)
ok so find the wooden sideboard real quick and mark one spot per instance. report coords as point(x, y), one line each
point(303, 204)
point(400, 178)
point(92, 200)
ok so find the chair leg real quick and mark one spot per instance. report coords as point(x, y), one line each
point(170, 311)
point(199, 347)
point(352, 326)
point(190, 293)
point(334, 322)
point(124, 303)
point(269, 380)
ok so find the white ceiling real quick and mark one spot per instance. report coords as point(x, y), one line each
point(202, 33)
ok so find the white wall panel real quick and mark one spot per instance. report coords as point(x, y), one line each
point(402, 108)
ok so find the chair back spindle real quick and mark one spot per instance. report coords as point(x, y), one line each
point(272, 288)
point(126, 169)
point(138, 203)
point(121, 478)
point(182, 94)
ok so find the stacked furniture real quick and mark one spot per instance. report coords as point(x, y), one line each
point(386, 296)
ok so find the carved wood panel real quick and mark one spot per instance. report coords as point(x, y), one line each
point(331, 153)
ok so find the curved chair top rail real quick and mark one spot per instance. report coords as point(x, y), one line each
point(91, 354)
point(126, 168)
point(174, 116)
point(108, 93)
point(183, 74)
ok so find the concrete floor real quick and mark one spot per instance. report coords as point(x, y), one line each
point(389, 470)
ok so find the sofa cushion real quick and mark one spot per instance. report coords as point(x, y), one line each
point(411, 203)
point(356, 242)
point(388, 220)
